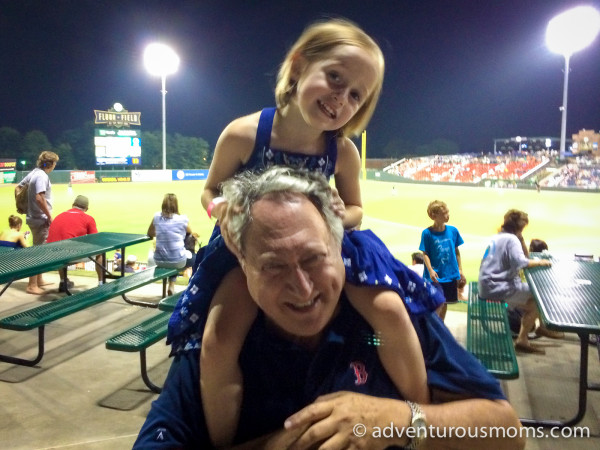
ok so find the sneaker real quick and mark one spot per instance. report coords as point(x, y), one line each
point(63, 286)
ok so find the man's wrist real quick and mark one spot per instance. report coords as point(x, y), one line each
point(416, 431)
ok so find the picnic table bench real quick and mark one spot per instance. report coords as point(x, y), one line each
point(489, 337)
point(42, 315)
point(144, 334)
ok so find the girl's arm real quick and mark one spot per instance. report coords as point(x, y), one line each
point(399, 351)
point(151, 230)
point(23, 240)
point(432, 273)
point(347, 170)
point(233, 149)
point(230, 317)
point(459, 261)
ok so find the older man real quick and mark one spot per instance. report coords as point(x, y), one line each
point(73, 223)
point(310, 365)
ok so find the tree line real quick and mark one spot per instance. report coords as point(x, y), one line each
point(76, 149)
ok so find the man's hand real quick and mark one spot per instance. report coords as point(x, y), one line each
point(345, 420)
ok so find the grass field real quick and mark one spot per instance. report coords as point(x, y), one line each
point(567, 221)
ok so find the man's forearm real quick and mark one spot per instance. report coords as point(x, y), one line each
point(41, 201)
point(473, 424)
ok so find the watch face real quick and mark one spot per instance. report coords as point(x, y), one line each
point(420, 423)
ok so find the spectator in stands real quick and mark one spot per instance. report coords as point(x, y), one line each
point(515, 315)
point(499, 277)
point(169, 227)
point(537, 246)
point(131, 265)
point(69, 224)
point(117, 260)
point(190, 242)
point(439, 244)
point(39, 207)
point(14, 238)
point(418, 265)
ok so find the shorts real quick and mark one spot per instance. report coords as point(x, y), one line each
point(450, 289)
point(171, 265)
point(39, 230)
point(520, 296)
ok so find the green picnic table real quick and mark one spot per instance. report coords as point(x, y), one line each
point(26, 262)
point(38, 259)
point(568, 297)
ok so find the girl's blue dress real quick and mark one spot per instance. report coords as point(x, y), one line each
point(366, 258)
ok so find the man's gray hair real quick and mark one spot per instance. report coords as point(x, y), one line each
point(242, 191)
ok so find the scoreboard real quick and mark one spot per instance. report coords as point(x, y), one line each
point(117, 147)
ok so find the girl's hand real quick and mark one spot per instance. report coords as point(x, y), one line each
point(339, 207)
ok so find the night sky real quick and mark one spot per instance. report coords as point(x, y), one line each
point(465, 70)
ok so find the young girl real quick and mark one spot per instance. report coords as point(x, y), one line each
point(14, 238)
point(327, 88)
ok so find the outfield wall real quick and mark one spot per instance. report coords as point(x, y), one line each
point(379, 175)
point(116, 176)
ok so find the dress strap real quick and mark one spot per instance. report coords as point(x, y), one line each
point(265, 125)
point(331, 151)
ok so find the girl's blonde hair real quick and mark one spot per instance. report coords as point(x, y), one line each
point(314, 45)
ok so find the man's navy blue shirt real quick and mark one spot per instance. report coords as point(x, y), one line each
point(281, 378)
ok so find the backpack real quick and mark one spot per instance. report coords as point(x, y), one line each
point(21, 198)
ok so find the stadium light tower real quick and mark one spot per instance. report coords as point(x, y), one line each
point(161, 60)
point(567, 33)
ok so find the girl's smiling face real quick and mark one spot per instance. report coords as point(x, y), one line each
point(332, 90)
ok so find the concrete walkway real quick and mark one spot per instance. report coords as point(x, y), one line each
point(82, 396)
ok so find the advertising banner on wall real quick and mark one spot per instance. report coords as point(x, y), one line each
point(8, 165)
point(191, 174)
point(8, 177)
point(119, 179)
point(83, 176)
point(151, 175)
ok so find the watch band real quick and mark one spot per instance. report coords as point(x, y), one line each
point(418, 423)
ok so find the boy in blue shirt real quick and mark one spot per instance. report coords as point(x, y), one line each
point(439, 244)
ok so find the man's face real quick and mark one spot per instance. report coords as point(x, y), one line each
point(293, 266)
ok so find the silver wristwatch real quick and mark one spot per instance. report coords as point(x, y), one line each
point(418, 426)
